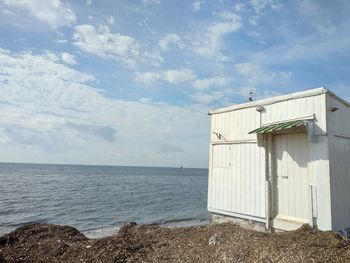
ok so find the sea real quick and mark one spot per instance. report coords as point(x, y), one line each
point(98, 200)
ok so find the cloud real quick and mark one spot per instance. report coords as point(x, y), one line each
point(52, 113)
point(205, 83)
point(170, 40)
point(268, 94)
point(176, 76)
point(196, 5)
point(229, 96)
point(164, 148)
point(110, 20)
point(207, 98)
point(255, 74)
point(104, 132)
point(101, 42)
point(7, 12)
point(211, 43)
point(240, 6)
point(148, 77)
point(153, 56)
point(259, 5)
point(172, 76)
point(54, 12)
point(151, 2)
point(313, 48)
point(68, 58)
point(253, 20)
point(316, 15)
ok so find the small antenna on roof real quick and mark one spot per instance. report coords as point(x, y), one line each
point(251, 94)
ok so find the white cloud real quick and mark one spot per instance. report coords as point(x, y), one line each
point(110, 20)
point(172, 76)
point(176, 76)
point(255, 74)
point(314, 48)
point(103, 43)
point(268, 94)
point(151, 2)
point(205, 83)
point(227, 96)
point(88, 2)
point(211, 43)
point(239, 6)
point(51, 113)
point(317, 15)
point(253, 20)
point(224, 96)
point(257, 36)
point(68, 58)
point(61, 38)
point(153, 58)
point(147, 77)
point(196, 5)
point(7, 12)
point(248, 69)
point(53, 12)
point(61, 41)
point(207, 98)
point(170, 40)
point(259, 5)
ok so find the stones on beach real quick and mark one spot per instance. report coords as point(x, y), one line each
point(2, 259)
point(127, 226)
point(144, 243)
point(213, 240)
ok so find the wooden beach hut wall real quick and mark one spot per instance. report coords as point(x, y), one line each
point(282, 162)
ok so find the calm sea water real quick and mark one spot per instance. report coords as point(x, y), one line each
point(99, 199)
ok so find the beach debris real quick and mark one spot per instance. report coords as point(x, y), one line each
point(146, 243)
point(213, 240)
point(2, 259)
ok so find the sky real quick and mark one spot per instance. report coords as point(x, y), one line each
point(130, 82)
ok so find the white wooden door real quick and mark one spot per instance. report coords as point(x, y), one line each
point(291, 181)
point(237, 180)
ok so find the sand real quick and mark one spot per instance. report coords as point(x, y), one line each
point(147, 243)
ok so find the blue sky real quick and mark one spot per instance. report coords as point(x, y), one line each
point(131, 82)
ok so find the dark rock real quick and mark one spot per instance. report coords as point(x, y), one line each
point(2, 259)
point(127, 227)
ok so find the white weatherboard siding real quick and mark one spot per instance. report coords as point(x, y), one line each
point(234, 125)
point(339, 154)
point(239, 167)
point(237, 182)
point(298, 109)
point(319, 169)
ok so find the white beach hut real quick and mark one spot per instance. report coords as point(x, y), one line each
point(282, 161)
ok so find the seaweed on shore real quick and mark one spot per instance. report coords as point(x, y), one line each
point(149, 243)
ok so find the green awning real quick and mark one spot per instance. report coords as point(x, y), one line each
point(280, 126)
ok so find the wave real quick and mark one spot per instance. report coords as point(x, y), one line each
point(109, 231)
point(101, 232)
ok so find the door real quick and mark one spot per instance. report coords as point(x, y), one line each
point(291, 200)
point(236, 182)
